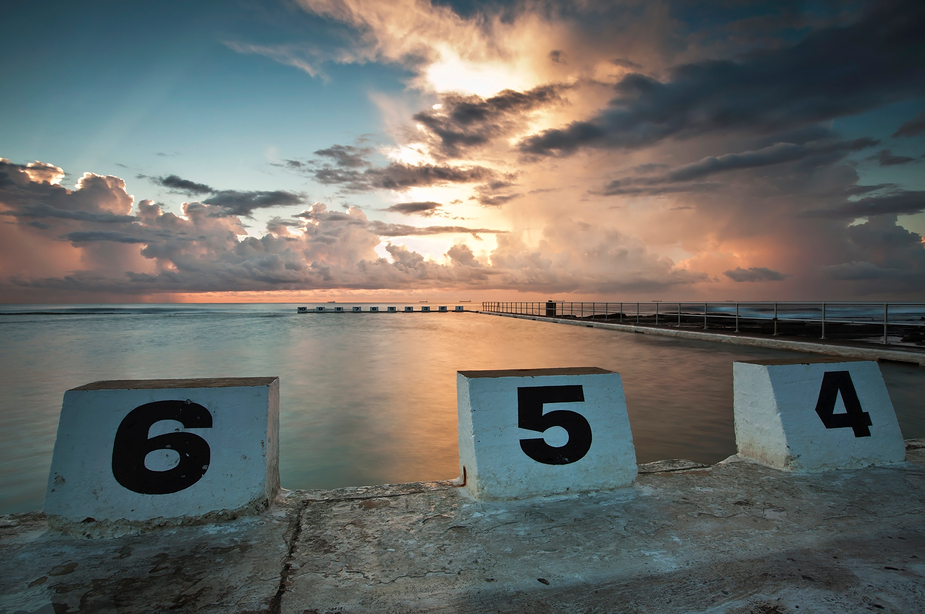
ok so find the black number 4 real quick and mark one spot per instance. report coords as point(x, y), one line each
point(530, 416)
point(132, 445)
point(854, 417)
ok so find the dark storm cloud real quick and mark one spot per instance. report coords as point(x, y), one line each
point(825, 152)
point(624, 63)
point(883, 255)
point(384, 229)
point(886, 158)
point(557, 56)
point(895, 202)
point(469, 121)
point(831, 73)
point(183, 185)
point(99, 235)
point(752, 274)
point(233, 202)
point(398, 176)
point(913, 127)
point(622, 188)
point(346, 156)
point(44, 211)
point(495, 193)
point(425, 208)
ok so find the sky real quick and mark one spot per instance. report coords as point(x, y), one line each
point(314, 150)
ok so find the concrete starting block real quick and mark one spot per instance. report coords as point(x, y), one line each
point(374, 309)
point(815, 415)
point(533, 432)
point(319, 309)
point(357, 309)
point(409, 309)
point(392, 309)
point(425, 308)
point(155, 451)
point(441, 309)
point(459, 308)
point(338, 310)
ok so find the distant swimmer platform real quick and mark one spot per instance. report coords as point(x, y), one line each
point(379, 309)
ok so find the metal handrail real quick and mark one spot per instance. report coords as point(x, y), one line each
point(753, 312)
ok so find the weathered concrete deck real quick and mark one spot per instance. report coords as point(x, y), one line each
point(735, 537)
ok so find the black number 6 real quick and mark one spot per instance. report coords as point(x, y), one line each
point(132, 445)
point(530, 416)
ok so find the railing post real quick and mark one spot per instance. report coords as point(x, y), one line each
point(656, 314)
point(775, 319)
point(737, 317)
point(886, 306)
point(679, 315)
point(637, 313)
point(621, 313)
point(605, 311)
point(705, 305)
point(823, 320)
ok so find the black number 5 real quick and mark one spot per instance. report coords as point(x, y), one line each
point(530, 416)
point(132, 445)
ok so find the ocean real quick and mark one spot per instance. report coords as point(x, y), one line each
point(364, 398)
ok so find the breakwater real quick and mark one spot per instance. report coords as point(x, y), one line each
point(843, 348)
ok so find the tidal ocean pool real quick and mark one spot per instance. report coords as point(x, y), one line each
point(364, 398)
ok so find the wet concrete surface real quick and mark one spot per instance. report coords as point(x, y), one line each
point(734, 537)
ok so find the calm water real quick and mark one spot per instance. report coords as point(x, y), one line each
point(364, 399)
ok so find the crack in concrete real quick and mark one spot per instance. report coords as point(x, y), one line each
point(277, 602)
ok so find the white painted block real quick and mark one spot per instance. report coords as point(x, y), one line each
point(374, 309)
point(441, 308)
point(357, 310)
point(392, 309)
point(425, 309)
point(815, 415)
point(459, 308)
point(165, 449)
point(409, 309)
point(533, 432)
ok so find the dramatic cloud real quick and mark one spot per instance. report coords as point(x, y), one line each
point(346, 156)
point(233, 202)
point(886, 158)
point(102, 235)
point(182, 185)
point(892, 202)
point(780, 153)
point(425, 209)
point(755, 273)
point(403, 230)
point(401, 177)
point(913, 127)
point(832, 73)
point(462, 122)
point(604, 150)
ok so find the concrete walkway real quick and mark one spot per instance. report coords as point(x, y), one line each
point(829, 347)
point(735, 537)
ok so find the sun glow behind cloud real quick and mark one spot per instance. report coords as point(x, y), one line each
point(451, 73)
